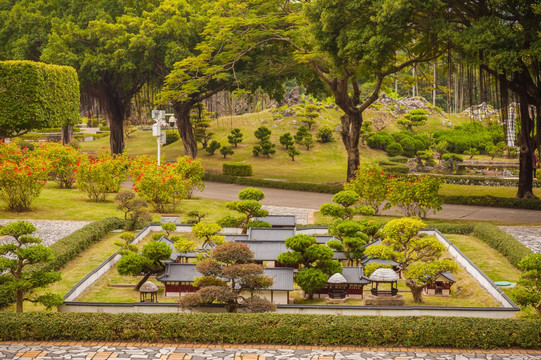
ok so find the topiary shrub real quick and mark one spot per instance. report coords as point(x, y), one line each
point(171, 136)
point(237, 169)
point(394, 149)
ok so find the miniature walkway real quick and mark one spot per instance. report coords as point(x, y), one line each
point(125, 351)
point(312, 201)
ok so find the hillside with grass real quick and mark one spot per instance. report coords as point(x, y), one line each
point(325, 163)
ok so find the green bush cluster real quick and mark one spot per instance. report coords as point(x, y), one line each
point(483, 180)
point(468, 136)
point(493, 201)
point(504, 243)
point(237, 169)
point(318, 188)
point(289, 329)
point(400, 143)
point(69, 247)
point(171, 136)
point(105, 128)
point(48, 130)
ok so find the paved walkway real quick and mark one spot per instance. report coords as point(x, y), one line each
point(125, 351)
point(312, 202)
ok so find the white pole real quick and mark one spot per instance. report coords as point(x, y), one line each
point(159, 149)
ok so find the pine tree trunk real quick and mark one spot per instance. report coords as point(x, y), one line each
point(416, 291)
point(143, 280)
point(19, 301)
point(525, 178)
point(67, 134)
point(184, 126)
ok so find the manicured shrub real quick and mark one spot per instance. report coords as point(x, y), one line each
point(371, 184)
point(106, 128)
point(98, 176)
point(192, 172)
point(226, 150)
point(398, 159)
point(324, 135)
point(235, 138)
point(380, 140)
point(269, 328)
point(213, 146)
point(237, 169)
point(415, 195)
point(498, 239)
point(394, 149)
point(461, 229)
point(22, 176)
point(171, 136)
point(493, 201)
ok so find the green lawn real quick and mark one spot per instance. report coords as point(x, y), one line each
point(478, 190)
point(72, 204)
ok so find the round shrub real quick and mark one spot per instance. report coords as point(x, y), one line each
point(237, 169)
point(394, 149)
point(171, 136)
point(380, 140)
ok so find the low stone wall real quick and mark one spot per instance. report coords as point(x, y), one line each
point(115, 308)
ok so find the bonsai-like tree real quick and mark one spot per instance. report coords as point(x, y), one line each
point(315, 262)
point(351, 240)
point(292, 152)
point(135, 210)
point(148, 262)
point(208, 234)
point(21, 267)
point(229, 275)
point(346, 206)
point(235, 138)
point(286, 140)
point(416, 117)
point(249, 205)
point(418, 256)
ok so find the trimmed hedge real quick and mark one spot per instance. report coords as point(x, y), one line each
point(290, 329)
point(318, 188)
point(237, 169)
point(460, 229)
point(493, 201)
point(69, 247)
point(504, 243)
point(482, 180)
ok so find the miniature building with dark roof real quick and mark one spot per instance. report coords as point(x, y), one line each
point(279, 221)
point(353, 286)
point(442, 284)
point(178, 280)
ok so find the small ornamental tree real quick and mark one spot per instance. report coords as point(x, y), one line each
point(415, 195)
point(292, 152)
point(315, 262)
point(265, 148)
point(324, 135)
point(208, 234)
point(345, 206)
point(230, 277)
point(226, 150)
point(64, 161)
point(495, 150)
point(308, 141)
point(163, 187)
point(286, 140)
point(418, 256)
point(149, 262)
point(351, 240)
point(235, 138)
point(262, 133)
point(528, 291)
point(102, 175)
point(309, 115)
point(301, 134)
point(249, 205)
point(18, 279)
point(371, 184)
point(22, 177)
point(200, 119)
point(415, 117)
point(135, 210)
point(213, 146)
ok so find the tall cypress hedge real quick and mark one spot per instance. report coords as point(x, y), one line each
point(35, 95)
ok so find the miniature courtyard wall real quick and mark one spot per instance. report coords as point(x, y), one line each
point(508, 309)
point(473, 270)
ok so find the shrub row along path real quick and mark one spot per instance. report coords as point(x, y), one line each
point(50, 231)
point(125, 351)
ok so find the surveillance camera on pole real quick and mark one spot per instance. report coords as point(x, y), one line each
point(159, 118)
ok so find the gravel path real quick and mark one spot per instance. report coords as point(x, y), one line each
point(50, 231)
point(530, 236)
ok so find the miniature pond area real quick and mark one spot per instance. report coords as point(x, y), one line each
point(466, 292)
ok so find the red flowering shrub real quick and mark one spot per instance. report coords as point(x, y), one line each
point(64, 160)
point(102, 175)
point(371, 184)
point(22, 176)
point(415, 195)
point(192, 171)
point(163, 187)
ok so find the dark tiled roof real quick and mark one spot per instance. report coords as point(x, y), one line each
point(174, 253)
point(355, 275)
point(279, 220)
point(366, 260)
point(269, 234)
point(448, 276)
point(269, 250)
point(282, 277)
